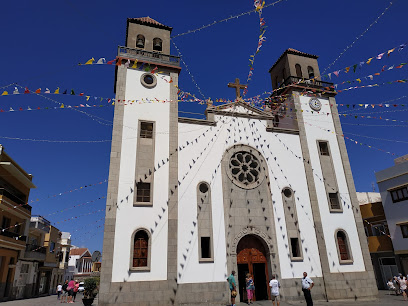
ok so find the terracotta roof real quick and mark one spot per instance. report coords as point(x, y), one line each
point(293, 51)
point(149, 21)
point(78, 251)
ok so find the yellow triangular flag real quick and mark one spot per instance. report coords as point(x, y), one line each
point(369, 60)
point(134, 65)
point(62, 106)
point(89, 62)
point(358, 80)
point(57, 91)
point(5, 93)
point(87, 98)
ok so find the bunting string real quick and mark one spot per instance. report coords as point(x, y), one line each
point(225, 19)
point(358, 37)
point(259, 5)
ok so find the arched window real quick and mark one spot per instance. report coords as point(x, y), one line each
point(343, 247)
point(310, 72)
point(140, 41)
point(157, 44)
point(141, 249)
point(298, 70)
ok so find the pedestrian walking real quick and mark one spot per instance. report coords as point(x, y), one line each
point(250, 288)
point(233, 287)
point(59, 291)
point(307, 285)
point(403, 287)
point(274, 285)
point(397, 285)
point(70, 289)
point(64, 292)
point(75, 290)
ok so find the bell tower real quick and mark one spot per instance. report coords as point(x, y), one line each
point(305, 105)
point(143, 168)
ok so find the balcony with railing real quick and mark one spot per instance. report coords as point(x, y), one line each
point(14, 198)
point(380, 243)
point(35, 252)
point(149, 56)
point(8, 236)
point(302, 82)
point(39, 224)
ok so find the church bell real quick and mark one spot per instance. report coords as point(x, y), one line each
point(140, 42)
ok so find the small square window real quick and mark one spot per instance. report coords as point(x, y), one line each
point(146, 130)
point(143, 192)
point(294, 243)
point(404, 230)
point(205, 247)
point(334, 200)
point(324, 148)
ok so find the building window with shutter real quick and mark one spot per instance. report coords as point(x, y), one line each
point(343, 247)
point(141, 251)
point(399, 194)
point(146, 129)
point(143, 192)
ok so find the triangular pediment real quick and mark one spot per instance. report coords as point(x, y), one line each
point(238, 108)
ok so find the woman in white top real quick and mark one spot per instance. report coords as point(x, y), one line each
point(403, 286)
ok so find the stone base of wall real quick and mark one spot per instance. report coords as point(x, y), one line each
point(157, 293)
point(352, 285)
point(356, 285)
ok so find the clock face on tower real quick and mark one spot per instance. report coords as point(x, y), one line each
point(315, 104)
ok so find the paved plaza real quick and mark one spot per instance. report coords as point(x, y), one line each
point(384, 299)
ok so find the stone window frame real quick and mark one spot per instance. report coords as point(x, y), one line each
point(292, 258)
point(245, 148)
point(349, 261)
point(151, 180)
point(208, 202)
point(331, 210)
point(149, 253)
point(147, 85)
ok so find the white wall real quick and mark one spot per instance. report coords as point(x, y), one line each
point(203, 170)
point(129, 218)
point(317, 126)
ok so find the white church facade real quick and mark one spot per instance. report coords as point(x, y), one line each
point(256, 191)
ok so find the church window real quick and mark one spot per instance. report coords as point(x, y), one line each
point(157, 44)
point(287, 192)
point(310, 72)
point(140, 41)
point(140, 249)
point(343, 247)
point(148, 80)
point(143, 192)
point(404, 230)
point(400, 194)
point(146, 129)
point(203, 187)
point(298, 70)
point(245, 168)
point(294, 243)
point(205, 247)
point(334, 200)
point(324, 148)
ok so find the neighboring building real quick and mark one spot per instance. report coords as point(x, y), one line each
point(378, 236)
point(265, 192)
point(393, 185)
point(80, 263)
point(34, 256)
point(65, 244)
point(50, 272)
point(15, 214)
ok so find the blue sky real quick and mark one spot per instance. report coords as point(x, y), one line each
point(43, 41)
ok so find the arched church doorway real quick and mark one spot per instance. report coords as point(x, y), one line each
point(252, 258)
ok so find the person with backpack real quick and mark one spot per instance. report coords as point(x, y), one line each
point(233, 287)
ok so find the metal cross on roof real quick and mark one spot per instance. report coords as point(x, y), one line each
point(237, 87)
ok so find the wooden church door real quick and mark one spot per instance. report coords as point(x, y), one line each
point(251, 258)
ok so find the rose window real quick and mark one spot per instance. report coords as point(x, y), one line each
point(245, 168)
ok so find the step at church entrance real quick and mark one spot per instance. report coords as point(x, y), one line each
point(251, 258)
